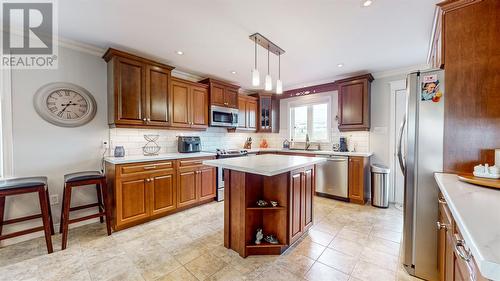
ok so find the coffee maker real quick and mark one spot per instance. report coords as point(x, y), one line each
point(343, 144)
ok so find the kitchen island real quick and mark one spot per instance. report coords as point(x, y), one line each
point(287, 180)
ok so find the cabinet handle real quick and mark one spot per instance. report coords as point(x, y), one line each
point(149, 167)
point(441, 225)
point(149, 119)
point(144, 119)
point(465, 255)
point(148, 180)
point(442, 201)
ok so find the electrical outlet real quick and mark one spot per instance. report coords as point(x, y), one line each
point(54, 199)
point(105, 144)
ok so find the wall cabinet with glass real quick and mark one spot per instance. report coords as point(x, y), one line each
point(268, 113)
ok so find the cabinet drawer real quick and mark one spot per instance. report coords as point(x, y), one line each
point(193, 162)
point(146, 167)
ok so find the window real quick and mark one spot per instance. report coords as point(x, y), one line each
point(311, 119)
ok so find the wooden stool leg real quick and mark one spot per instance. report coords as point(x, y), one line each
point(99, 200)
point(65, 216)
point(50, 212)
point(2, 210)
point(61, 218)
point(107, 205)
point(44, 206)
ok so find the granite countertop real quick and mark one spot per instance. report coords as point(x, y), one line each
point(318, 152)
point(476, 211)
point(266, 165)
point(165, 156)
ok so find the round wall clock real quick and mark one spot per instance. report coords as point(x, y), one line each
point(65, 104)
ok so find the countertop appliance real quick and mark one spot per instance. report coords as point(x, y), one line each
point(223, 116)
point(343, 144)
point(420, 153)
point(331, 177)
point(221, 154)
point(188, 144)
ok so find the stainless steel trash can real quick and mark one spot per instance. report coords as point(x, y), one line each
point(380, 185)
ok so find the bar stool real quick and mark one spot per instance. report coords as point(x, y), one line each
point(16, 186)
point(81, 179)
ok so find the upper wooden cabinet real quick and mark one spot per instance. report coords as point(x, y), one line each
point(189, 104)
point(268, 113)
point(137, 91)
point(354, 103)
point(247, 112)
point(222, 93)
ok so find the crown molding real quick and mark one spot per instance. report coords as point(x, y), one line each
point(79, 46)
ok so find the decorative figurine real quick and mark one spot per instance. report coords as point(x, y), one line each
point(258, 236)
point(274, 203)
point(262, 203)
point(271, 239)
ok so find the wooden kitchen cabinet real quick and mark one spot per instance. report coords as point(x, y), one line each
point(359, 179)
point(196, 182)
point(354, 103)
point(149, 190)
point(451, 266)
point(268, 113)
point(189, 104)
point(137, 91)
point(301, 196)
point(222, 93)
point(247, 113)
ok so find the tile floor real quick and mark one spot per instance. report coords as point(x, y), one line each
point(347, 242)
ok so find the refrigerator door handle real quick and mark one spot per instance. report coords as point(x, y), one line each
point(400, 144)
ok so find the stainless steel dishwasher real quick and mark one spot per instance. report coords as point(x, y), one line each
point(331, 177)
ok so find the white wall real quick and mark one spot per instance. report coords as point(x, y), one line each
point(380, 115)
point(43, 149)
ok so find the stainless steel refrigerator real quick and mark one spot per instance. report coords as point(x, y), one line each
point(420, 153)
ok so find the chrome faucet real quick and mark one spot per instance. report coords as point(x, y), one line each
point(308, 143)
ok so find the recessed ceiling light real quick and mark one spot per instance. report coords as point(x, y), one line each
point(233, 72)
point(367, 3)
point(340, 65)
point(180, 53)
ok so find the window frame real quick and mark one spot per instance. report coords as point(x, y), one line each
point(310, 102)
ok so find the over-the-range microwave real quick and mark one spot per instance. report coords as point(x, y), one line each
point(223, 116)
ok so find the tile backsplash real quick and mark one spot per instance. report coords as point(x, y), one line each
point(133, 139)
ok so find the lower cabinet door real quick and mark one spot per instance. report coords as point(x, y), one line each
point(132, 200)
point(163, 193)
point(308, 196)
point(295, 204)
point(207, 182)
point(356, 179)
point(186, 187)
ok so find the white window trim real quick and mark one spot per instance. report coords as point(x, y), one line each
point(7, 144)
point(307, 101)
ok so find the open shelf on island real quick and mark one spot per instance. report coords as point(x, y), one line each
point(266, 208)
point(264, 244)
point(265, 248)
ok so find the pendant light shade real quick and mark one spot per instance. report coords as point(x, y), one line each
point(255, 77)
point(279, 87)
point(269, 81)
point(279, 84)
point(255, 72)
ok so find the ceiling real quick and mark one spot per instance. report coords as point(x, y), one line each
point(316, 34)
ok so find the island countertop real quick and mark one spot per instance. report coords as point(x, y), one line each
point(266, 165)
point(476, 211)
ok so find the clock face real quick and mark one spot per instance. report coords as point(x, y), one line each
point(65, 104)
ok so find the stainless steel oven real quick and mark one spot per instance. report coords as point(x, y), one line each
point(222, 153)
point(223, 116)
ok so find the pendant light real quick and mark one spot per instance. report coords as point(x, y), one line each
point(269, 82)
point(255, 72)
point(279, 84)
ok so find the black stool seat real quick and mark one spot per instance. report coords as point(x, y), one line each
point(22, 182)
point(81, 176)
